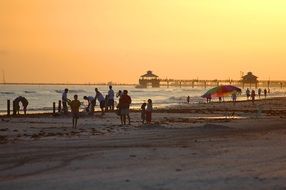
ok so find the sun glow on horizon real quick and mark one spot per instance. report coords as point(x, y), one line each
point(101, 41)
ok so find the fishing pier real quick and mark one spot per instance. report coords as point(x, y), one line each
point(247, 81)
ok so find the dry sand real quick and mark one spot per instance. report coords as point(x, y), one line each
point(203, 146)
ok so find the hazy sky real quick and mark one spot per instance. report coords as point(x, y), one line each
point(118, 40)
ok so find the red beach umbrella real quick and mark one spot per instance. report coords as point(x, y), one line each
point(221, 91)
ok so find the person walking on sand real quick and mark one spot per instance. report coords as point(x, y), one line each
point(265, 93)
point(124, 104)
point(234, 97)
point(259, 92)
point(101, 100)
point(247, 93)
point(253, 96)
point(188, 99)
point(65, 100)
point(91, 104)
point(75, 104)
point(149, 110)
point(143, 112)
point(111, 98)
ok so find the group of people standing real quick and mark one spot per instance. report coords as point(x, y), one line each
point(106, 103)
point(16, 105)
point(252, 94)
point(146, 111)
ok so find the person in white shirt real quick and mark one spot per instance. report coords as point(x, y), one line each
point(101, 100)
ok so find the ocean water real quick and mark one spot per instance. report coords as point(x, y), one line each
point(41, 97)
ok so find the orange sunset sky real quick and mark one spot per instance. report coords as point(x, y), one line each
point(118, 40)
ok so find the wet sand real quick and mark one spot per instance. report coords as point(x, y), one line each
point(203, 146)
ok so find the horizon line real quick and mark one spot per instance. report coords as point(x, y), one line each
point(49, 83)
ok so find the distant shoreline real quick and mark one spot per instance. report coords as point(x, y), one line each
point(69, 84)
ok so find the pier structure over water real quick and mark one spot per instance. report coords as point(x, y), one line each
point(247, 81)
point(149, 79)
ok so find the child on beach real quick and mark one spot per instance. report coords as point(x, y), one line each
point(149, 110)
point(75, 104)
point(143, 112)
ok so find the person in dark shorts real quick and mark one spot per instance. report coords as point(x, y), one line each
point(75, 104)
point(16, 105)
point(101, 100)
point(124, 104)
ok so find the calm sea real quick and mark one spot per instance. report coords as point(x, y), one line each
point(41, 97)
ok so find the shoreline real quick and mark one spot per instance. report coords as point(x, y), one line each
point(185, 108)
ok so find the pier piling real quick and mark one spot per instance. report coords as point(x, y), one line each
point(14, 108)
point(54, 108)
point(60, 106)
point(8, 107)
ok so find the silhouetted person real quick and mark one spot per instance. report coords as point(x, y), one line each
point(101, 100)
point(247, 93)
point(111, 98)
point(234, 97)
point(209, 98)
point(188, 99)
point(149, 110)
point(106, 103)
point(265, 93)
point(65, 100)
point(119, 94)
point(253, 96)
point(75, 104)
point(143, 112)
point(259, 92)
point(91, 104)
point(16, 105)
point(124, 104)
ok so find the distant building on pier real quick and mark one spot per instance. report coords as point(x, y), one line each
point(149, 79)
point(250, 79)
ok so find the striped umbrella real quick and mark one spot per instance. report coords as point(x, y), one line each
point(221, 91)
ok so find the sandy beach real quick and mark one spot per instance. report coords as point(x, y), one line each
point(191, 146)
